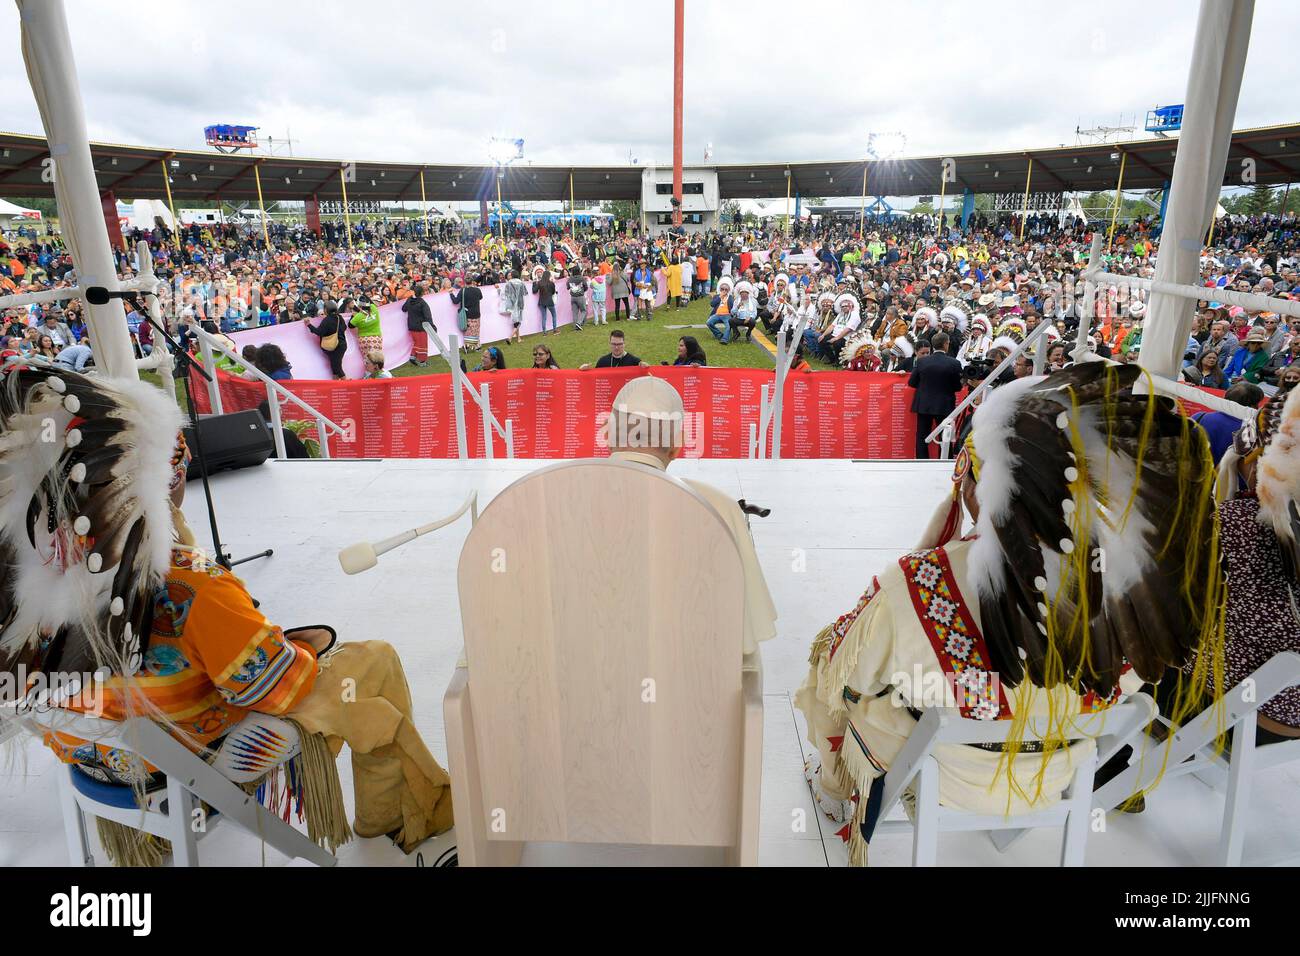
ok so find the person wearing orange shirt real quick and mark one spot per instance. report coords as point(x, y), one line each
point(701, 284)
point(191, 649)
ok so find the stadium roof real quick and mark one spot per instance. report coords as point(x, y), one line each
point(201, 177)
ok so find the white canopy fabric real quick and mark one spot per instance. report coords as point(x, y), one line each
point(10, 210)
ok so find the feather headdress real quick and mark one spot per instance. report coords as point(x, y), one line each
point(925, 318)
point(85, 516)
point(1277, 482)
point(958, 311)
point(1098, 534)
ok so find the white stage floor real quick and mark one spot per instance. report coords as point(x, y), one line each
point(848, 519)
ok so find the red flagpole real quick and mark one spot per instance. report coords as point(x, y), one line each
point(678, 81)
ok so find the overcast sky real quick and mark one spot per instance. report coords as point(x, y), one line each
point(586, 83)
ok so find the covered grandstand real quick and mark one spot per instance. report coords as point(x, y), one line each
point(1271, 153)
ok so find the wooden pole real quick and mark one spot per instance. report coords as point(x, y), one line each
point(862, 215)
point(943, 193)
point(257, 175)
point(501, 222)
point(789, 180)
point(176, 223)
point(424, 204)
point(1024, 209)
point(1119, 198)
point(347, 216)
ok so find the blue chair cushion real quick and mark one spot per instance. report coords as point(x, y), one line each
point(109, 794)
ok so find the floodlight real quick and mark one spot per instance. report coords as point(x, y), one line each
point(505, 151)
point(885, 145)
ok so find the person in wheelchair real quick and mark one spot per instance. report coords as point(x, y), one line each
point(101, 575)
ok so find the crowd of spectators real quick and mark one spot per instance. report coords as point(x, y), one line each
point(871, 298)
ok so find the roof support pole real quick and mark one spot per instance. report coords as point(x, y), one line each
point(424, 204)
point(347, 216)
point(1024, 208)
point(943, 195)
point(1119, 201)
point(266, 235)
point(1213, 87)
point(47, 52)
point(176, 223)
point(862, 213)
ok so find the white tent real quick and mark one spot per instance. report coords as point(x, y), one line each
point(140, 214)
point(11, 214)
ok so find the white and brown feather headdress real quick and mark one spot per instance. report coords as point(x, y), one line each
point(85, 516)
point(1097, 532)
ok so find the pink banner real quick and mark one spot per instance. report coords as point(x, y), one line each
point(303, 350)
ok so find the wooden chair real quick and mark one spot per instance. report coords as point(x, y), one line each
point(604, 699)
point(916, 765)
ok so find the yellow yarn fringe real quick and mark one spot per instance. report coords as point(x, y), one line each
point(1203, 588)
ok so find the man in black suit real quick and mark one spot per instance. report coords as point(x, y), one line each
point(937, 380)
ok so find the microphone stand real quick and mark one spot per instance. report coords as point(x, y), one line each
point(184, 362)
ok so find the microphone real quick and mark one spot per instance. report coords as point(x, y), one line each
point(98, 295)
point(364, 555)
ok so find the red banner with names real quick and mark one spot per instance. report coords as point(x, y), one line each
point(561, 414)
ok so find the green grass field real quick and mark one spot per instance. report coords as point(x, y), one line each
point(653, 341)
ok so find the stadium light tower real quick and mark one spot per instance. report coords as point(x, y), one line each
point(881, 147)
point(503, 152)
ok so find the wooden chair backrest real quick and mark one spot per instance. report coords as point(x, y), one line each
point(602, 607)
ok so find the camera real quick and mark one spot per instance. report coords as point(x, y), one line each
point(977, 370)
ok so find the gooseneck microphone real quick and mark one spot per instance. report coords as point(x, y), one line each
point(364, 555)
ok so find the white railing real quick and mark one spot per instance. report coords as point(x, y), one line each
point(772, 395)
point(451, 354)
point(274, 392)
point(943, 433)
point(1094, 274)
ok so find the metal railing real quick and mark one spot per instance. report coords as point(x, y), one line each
point(274, 391)
point(943, 432)
point(1094, 275)
point(450, 351)
point(772, 395)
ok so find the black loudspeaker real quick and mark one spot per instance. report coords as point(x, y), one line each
point(236, 440)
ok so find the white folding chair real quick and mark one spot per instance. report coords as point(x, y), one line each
point(916, 764)
point(1191, 749)
point(170, 812)
point(604, 699)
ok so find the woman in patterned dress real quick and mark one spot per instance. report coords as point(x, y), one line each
point(1258, 530)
